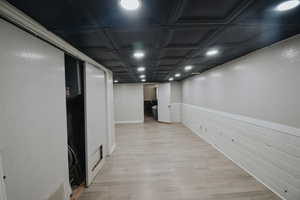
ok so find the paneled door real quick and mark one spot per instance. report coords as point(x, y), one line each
point(164, 102)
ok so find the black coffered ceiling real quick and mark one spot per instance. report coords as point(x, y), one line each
point(173, 33)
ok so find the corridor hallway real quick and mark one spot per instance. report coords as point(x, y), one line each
point(156, 161)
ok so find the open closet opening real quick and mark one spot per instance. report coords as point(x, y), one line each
point(150, 101)
point(75, 100)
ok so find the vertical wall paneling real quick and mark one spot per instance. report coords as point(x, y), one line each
point(33, 127)
point(96, 120)
point(169, 102)
point(129, 103)
point(110, 113)
point(164, 102)
point(176, 99)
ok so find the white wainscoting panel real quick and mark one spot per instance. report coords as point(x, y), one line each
point(271, 156)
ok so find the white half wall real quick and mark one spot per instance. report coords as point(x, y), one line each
point(129, 103)
point(33, 127)
point(249, 109)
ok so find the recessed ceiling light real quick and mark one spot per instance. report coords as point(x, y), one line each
point(116, 81)
point(130, 4)
point(142, 76)
point(287, 5)
point(141, 69)
point(143, 80)
point(177, 75)
point(139, 54)
point(171, 79)
point(212, 52)
point(188, 67)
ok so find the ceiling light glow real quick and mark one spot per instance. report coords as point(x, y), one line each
point(188, 67)
point(139, 54)
point(287, 5)
point(142, 76)
point(177, 75)
point(212, 52)
point(143, 80)
point(171, 79)
point(116, 81)
point(130, 4)
point(141, 69)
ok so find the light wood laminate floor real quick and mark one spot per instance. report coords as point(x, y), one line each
point(155, 161)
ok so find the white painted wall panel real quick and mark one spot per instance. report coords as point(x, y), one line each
point(164, 102)
point(176, 99)
point(110, 113)
point(129, 103)
point(176, 92)
point(261, 85)
point(96, 119)
point(249, 110)
point(33, 128)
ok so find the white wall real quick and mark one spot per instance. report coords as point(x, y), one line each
point(129, 103)
point(96, 119)
point(110, 113)
point(164, 102)
point(169, 102)
point(33, 128)
point(249, 109)
point(176, 99)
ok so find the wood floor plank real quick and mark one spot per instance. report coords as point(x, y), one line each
point(168, 162)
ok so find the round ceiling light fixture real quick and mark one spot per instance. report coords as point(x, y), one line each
point(188, 67)
point(116, 81)
point(130, 4)
point(142, 76)
point(139, 54)
point(141, 69)
point(212, 52)
point(171, 79)
point(177, 75)
point(287, 5)
point(143, 80)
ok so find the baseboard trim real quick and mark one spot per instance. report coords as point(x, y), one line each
point(227, 156)
point(130, 122)
point(266, 124)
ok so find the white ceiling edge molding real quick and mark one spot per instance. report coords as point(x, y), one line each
point(16, 16)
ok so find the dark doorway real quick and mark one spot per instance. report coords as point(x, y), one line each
point(75, 100)
point(150, 101)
